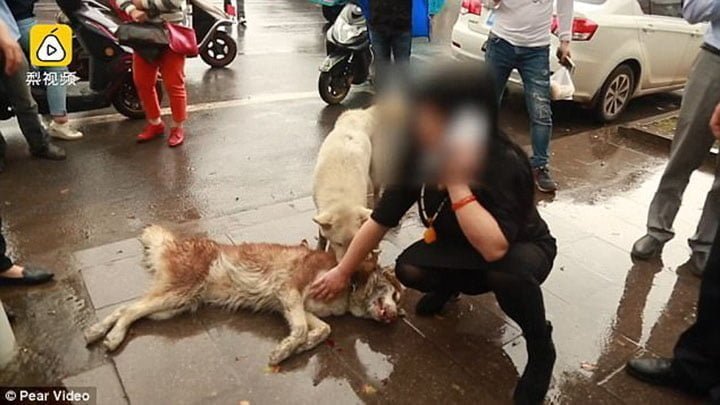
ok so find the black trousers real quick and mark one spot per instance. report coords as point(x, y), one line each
point(697, 353)
point(515, 280)
point(5, 262)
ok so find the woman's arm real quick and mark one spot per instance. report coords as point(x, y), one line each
point(479, 226)
point(331, 283)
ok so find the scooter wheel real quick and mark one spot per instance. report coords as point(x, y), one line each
point(126, 100)
point(220, 50)
point(333, 89)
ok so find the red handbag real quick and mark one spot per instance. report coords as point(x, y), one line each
point(182, 40)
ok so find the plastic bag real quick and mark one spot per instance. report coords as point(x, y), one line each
point(561, 85)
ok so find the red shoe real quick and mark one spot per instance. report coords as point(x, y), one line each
point(151, 132)
point(177, 137)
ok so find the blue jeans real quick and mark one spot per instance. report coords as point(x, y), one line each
point(534, 67)
point(387, 47)
point(56, 94)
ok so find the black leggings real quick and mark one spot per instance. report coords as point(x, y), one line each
point(515, 280)
point(5, 262)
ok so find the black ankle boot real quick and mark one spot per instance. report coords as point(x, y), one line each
point(534, 383)
point(432, 303)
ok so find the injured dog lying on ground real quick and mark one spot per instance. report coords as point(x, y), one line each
point(255, 276)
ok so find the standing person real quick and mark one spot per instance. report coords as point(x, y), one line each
point(170, 64)
point(59, 127)
point(476, 200)
point(695, 367)
point(390, 23)
point(241, 12)
point(13, 84)
point(691, 144)
point(520, 39)
point(10, 273)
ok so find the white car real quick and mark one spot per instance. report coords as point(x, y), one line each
point(621, 48)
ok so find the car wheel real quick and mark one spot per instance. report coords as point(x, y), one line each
point(615, 93)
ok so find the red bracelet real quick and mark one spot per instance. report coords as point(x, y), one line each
point(463, 202)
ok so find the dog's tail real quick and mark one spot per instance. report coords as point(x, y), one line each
point(154, 240)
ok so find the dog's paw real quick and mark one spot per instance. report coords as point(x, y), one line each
point(112, 342)
point(93, 334)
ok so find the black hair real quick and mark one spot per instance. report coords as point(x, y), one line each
point(506, 173)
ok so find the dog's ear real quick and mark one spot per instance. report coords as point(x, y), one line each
point(324, 219)
point(364, 214)
point(389, 274)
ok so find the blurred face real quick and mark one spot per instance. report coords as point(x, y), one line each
point(430, 128)
point(452, 147)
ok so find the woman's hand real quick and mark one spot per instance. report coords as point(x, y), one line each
point(330, 284)
point(138, 15)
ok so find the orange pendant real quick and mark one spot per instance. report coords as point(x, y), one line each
point(429, 235)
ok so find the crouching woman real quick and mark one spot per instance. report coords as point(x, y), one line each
point(474, 190)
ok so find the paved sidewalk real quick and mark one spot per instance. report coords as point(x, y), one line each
point(605, 310)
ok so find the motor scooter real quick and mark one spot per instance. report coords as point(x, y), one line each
point(349, 56)
point(102, 66)
point(330, 8)
point(211, 24)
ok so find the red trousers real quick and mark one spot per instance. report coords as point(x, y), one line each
point(171, 66)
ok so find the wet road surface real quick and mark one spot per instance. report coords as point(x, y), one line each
point(244, 175)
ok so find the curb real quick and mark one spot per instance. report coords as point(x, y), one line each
point(638, 127)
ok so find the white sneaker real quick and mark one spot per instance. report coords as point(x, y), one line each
point(63, 131)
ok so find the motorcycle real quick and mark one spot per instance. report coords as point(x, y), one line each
point(217, 47)
point(349, 55)
point(102, 66)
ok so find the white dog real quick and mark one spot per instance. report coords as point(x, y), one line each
point(342, 179)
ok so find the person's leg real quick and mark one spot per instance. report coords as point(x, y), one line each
point(13, 274)
point(5, 262)
point(501, 58)
point(401, 47)
point(382, 55)
point(697, 353)
point(241, 11)
point(690, 146)
point(515, 280)
point(2, 152)
point(59, 126)
point(534, 70)
point(172, 68)
point(695, 367)
point(26, 111)
point(145, 78)
point(56, 93)
point(439, 285)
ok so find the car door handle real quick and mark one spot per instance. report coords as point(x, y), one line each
point(649, 28)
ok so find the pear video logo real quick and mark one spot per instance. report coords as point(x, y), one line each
point(50, 45)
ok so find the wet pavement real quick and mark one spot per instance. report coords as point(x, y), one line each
point(245, 175)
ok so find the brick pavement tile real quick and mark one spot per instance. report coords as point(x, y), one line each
point(116, 281)
point(172, 362)
point(633, 391)
point(106, 382)
point(107, 253)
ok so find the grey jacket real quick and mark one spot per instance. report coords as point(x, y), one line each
point(158, 10)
